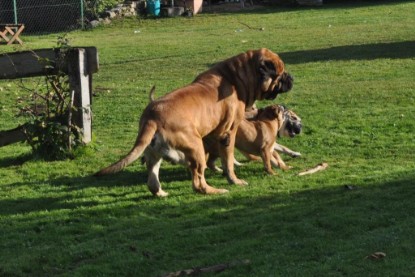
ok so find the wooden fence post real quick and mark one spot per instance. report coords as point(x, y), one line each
point(79, 80)
point(80, 64)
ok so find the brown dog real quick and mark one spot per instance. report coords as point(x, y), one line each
point(257, 138)
point(172, 127)
point(290, 127)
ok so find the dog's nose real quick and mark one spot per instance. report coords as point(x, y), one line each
point(289, 81)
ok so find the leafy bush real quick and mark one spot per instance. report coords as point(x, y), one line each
point(94, 8)
point(49, 130)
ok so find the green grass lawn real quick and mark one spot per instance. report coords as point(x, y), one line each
point(354, 89)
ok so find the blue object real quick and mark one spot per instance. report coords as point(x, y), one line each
point(153, 7)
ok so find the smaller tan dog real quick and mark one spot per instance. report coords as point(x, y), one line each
point(291, 127)
point(256, 137)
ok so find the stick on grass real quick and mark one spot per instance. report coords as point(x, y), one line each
point(319, 167)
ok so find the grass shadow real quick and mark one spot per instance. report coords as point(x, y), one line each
point(392, 50)
point(16, 161)
point(288, 6)
point(125, 178)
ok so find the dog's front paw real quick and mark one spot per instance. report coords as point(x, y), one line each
point(232, 179)
point(271, 172)
point(240, 182)
point(211, 190)
point(286, 167)
point(161, 193)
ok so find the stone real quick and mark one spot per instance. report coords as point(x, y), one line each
point(94, 23)
point(110, 14)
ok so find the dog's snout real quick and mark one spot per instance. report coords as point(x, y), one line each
point(297, 128)
point(289, 81)
point(285, 83)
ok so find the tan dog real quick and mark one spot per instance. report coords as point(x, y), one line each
point(172, 127)
point(291, 127)
point(257, 138)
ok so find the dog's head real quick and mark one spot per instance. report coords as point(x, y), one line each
point(273, 77)
point(271, 113)
point(291, 125)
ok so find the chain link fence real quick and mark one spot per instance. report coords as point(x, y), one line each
point(47, 16)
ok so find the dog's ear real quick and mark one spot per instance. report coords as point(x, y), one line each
point(279, 110)
point(270, 113)
point(280, 113)
point(267, 69)
point(267, 73)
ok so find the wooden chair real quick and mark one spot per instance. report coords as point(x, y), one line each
point(9, 33)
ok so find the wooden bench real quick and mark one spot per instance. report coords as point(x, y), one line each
point(9, 33)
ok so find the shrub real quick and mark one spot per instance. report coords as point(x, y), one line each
point(49, 109)
point(94, 8)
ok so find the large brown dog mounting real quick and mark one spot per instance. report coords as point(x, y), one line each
point(214, 104)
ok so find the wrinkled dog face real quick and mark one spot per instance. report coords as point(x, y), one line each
point(274, 78)
point(291, 126)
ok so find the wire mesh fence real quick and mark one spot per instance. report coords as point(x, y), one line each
point(46, 16)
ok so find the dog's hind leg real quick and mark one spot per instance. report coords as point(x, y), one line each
point(197, 163)
point(211, 164)
point(153, 166)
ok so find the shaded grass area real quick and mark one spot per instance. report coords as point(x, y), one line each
point(310, 231)
point(371, 51)
point(354, 89)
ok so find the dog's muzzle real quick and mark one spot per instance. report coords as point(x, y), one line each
point(293, 128)
point(285, 84)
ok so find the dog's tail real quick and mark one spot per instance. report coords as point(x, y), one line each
point(144, 138)
point(151, 95)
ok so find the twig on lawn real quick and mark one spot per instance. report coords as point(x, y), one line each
point(319, 167)
point(252, 28)
point(376, 256)
point(214, 268)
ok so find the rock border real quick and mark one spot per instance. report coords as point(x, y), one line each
point(126, 9)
